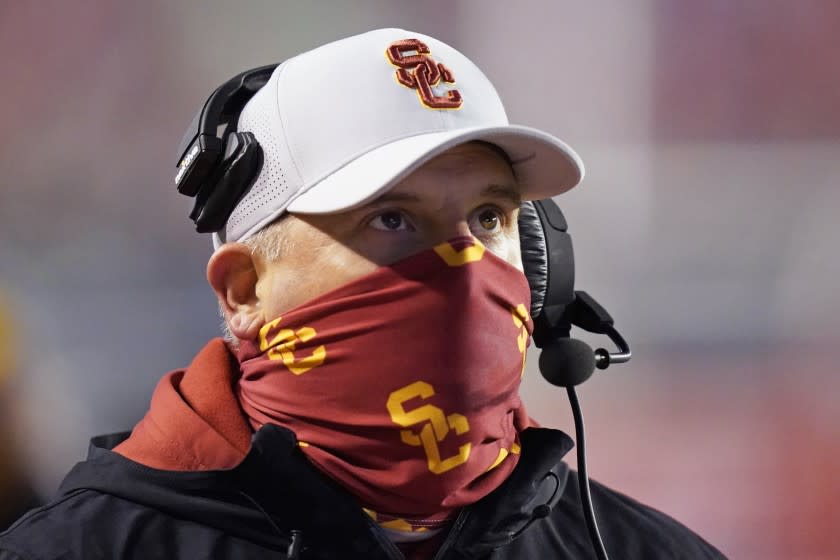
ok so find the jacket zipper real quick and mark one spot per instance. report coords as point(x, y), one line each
point(387, 544)
point(460, 521)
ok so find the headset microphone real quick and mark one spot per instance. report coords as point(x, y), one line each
point(567, 362)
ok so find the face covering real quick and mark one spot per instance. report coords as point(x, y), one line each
point(402, 385)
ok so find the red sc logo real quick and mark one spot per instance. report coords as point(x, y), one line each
point(420, 72)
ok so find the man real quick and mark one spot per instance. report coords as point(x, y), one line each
point(365, 405)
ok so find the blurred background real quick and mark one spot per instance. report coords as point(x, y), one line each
point(708, 224)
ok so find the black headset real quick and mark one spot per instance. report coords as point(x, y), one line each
point(218, 164)
point(219, 170)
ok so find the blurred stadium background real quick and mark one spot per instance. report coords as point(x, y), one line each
point(708, 224)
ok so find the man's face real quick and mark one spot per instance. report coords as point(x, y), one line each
point(468, 190)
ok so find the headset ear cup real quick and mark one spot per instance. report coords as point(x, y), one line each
point(534, 255)
point(240, 168)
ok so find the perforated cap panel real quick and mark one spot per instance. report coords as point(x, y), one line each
point(278, 180)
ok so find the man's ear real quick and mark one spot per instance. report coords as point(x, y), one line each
point(232, 273)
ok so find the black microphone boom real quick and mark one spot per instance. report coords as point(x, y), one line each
point(603, 358)
point(567, 362)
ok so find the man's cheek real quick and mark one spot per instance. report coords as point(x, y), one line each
point(508, 249)
point(339, 265)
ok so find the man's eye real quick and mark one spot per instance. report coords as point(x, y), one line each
point(390, 221)
point(487, 221)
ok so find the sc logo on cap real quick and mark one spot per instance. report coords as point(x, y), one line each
point(420, 72)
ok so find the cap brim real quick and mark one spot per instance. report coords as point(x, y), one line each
point(544, 166)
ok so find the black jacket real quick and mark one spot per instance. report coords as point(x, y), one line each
point(111, 507)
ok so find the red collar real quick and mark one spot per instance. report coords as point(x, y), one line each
point(194, 421)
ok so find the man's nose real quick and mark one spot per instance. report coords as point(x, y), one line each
point(448, 228)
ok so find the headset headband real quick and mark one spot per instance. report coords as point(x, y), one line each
point(201, 147)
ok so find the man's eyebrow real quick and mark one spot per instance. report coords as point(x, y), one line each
point(507, 192)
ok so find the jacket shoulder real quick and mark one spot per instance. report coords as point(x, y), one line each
point(34, 534)
point(631, 529)
point(90, 524)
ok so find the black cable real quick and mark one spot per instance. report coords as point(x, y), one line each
point(583, 478)
point(296, 542)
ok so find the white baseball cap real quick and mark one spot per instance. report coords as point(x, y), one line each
point(341, 124)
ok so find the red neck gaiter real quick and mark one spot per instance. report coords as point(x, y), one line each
point(402, 385)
